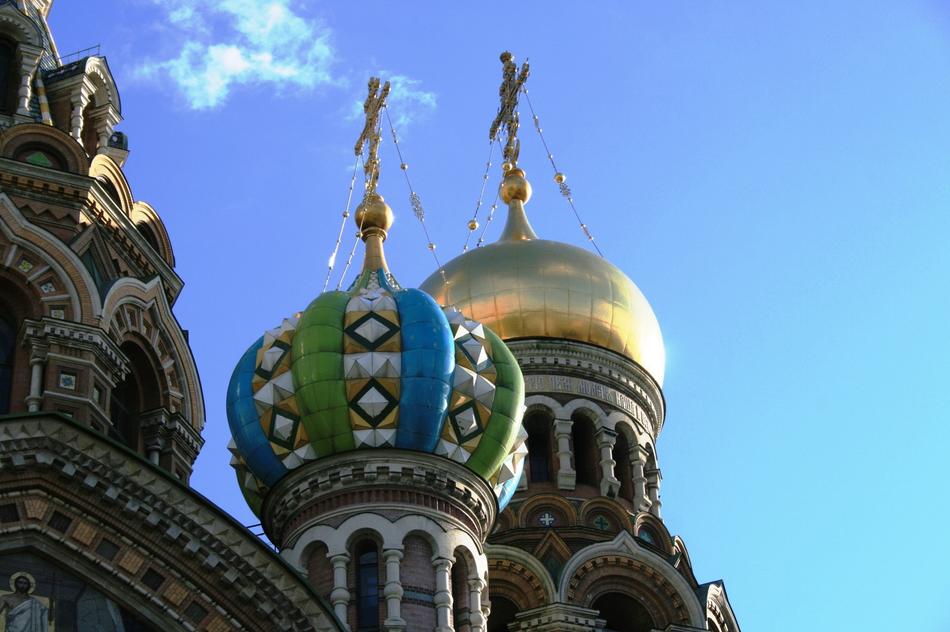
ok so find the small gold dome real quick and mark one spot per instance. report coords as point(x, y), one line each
point(535, 288)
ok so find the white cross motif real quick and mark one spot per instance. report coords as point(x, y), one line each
point(546, 519)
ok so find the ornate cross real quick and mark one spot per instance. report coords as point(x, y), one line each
point(507, 117)
point(601, 523)
point(375, 101)
point(546, 519)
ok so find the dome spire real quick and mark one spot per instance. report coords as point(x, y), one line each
point(373, 216)
point(515, 189)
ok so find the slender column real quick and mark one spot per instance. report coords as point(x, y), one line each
point(29, 59)
point(79, 103)
point(486, 605)
point(609, 485)
point(443, 594)
point(104, 119)
point(340, 596)
point(638, 460)
point(37, 366)
point(566, 476)
point(653, 487)
point(476, 618)
point(393, 591)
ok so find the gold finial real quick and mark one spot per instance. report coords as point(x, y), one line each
point(375, 101)
point(507, 117)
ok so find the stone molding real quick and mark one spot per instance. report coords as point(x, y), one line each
point(336, 487)
point(579, 369)
point(231, 563)
point(72, 334)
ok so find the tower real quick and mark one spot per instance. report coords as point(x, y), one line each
point(582, 545)
point(377, 435)
point(101, 409)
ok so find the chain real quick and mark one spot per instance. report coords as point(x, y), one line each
point(414, 200)
point(473, 223)
point(339, 238)
point(559, 177)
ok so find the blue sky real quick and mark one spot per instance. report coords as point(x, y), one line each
point(773, 175)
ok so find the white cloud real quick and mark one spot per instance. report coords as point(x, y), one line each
point(407, 102)
point(234, 42)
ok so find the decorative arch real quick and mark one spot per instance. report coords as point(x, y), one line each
point(18, 27)
point(48, 258)
point(18, 301)
point(602, 506)
point(108, 173)
point(585, 407)
point(719, 612)
point(647, 522)
point(150, 225)
point(19, 138)
point(621, 565)
point(542, 402)
point(105, 92)
point(519, 576)
point(542, 501)
point(143, 308)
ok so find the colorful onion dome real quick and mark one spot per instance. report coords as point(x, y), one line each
point(376, 366)
point(525, 287)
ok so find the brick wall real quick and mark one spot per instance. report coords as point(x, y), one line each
point(418, 583)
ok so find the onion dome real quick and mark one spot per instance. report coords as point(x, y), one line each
point(525, 287)
point(376, 366)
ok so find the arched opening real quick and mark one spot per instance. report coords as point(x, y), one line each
point(503, 613)
point(648, 535)
point(110, 190)
point(366, 554)
point(90, 136)
point(149, 235)
point(623, 613)
point(461, 610)
point(41, 156)
point(585, 451)
point(7, 347)
point(418, 580)
point(9, 77)
point(623, 469)
point(139, 392)
point(538, 427)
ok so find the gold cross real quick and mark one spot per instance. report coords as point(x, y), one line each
point(507, 117)
point(375, 101)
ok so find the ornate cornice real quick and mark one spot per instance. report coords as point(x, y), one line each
point(74, 334)
point(232, 565)
point(624, 384)
point(333, 487)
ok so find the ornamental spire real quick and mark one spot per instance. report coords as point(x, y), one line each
point(373, 215)
point(507, 117)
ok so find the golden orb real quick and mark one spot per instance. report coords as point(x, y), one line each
point(515, 187)
point(373, 212)
point(535, 288)
point(473, 224)
point(559, 177)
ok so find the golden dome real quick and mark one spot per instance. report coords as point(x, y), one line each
point(525, 287)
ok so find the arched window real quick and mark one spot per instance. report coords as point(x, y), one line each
point(7, 347)
point(623, 470)
point(585, 451)
point(9, 77)
point(648, 535)
point(503, 612)
point(623, 613)
point(538, 426)
point(139, 392)
point(41, 156)
point(367, 586)
point(461, 611)
point(149, 235)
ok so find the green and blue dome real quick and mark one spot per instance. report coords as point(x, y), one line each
point(376, 366)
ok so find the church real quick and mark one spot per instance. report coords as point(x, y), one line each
point(475, 455)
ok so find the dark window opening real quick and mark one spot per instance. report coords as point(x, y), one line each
point(623, 470)
point(7, 347)
point(110, 190)
point(585, 451)
point(538, 427)
point(136, 394)
point(149, 235)
point(41, 156)
point(9, 77)
point(367, 587)
point(623, 613)
point(503, 613)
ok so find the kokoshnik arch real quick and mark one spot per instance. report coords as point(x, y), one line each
point(477, 455)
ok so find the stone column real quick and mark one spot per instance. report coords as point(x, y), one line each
point(609, 485)
point(566, 476)
point(37, 365)
point(29, 60)
point(641, 500)
point(476, 618)
point(653, 488)
point(443, 594)
point(104, 118)
point(340, 596)
point(393, 591)
point(79, 101)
